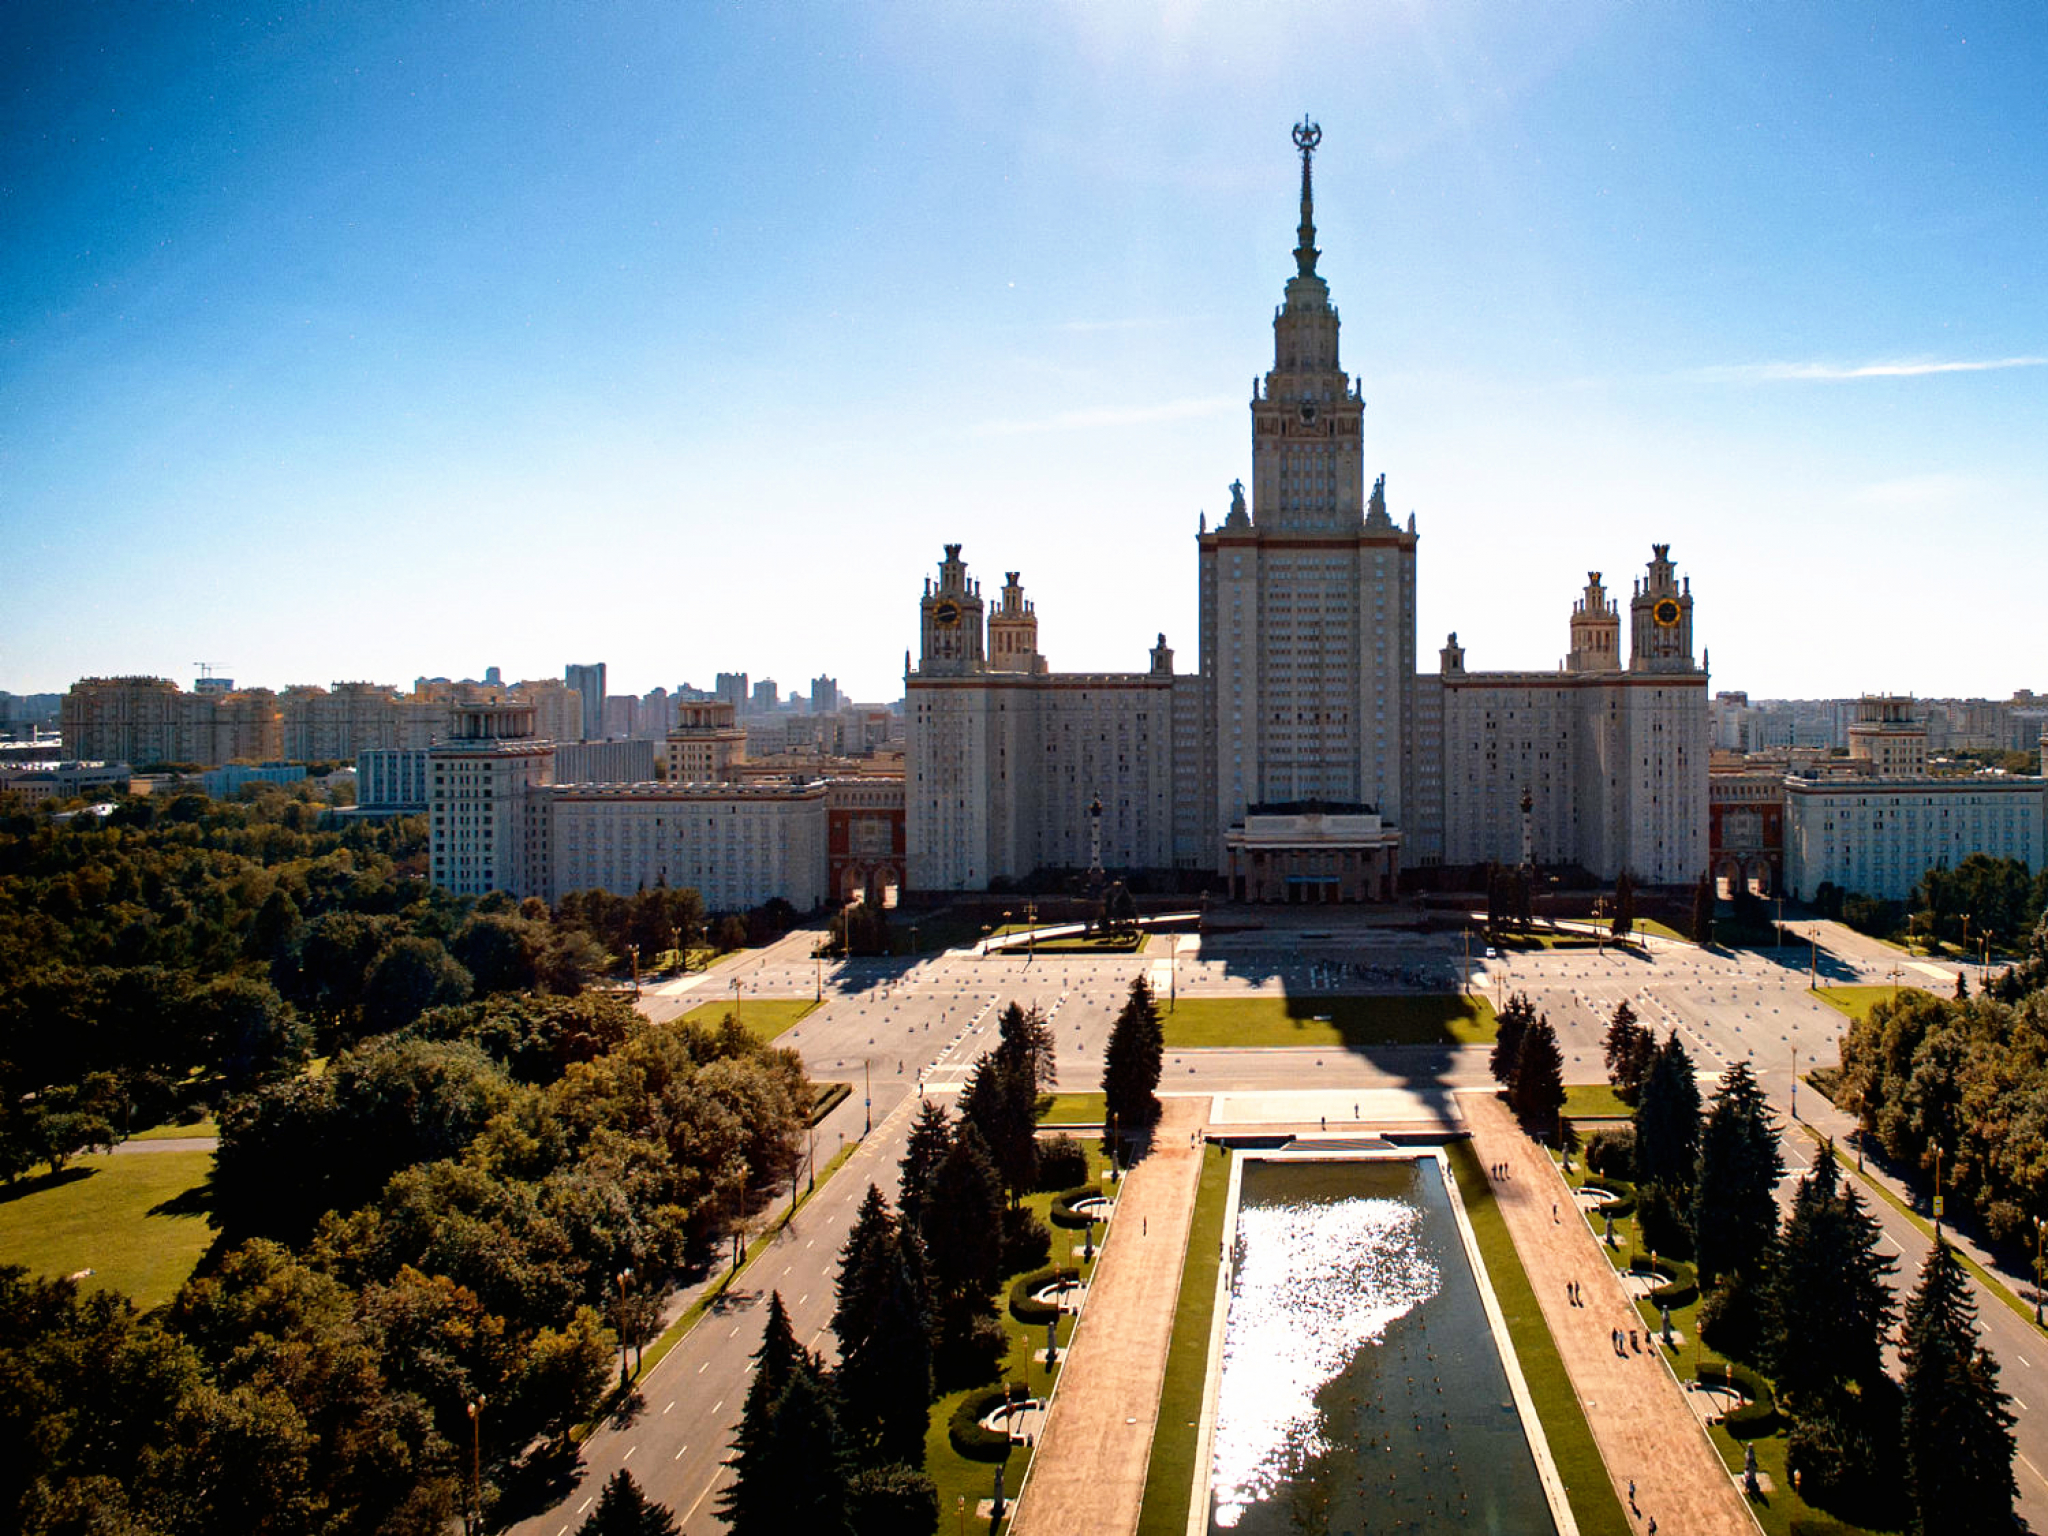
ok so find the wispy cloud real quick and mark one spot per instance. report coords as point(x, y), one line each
point(1113, 416)
point(1772, 373)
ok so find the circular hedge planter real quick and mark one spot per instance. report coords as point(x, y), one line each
point(1024, 1303)
point(1063, 1212)
point(972, 1438)
point(1622, 1206)
point(1681, 1287)
point(1758, 1416)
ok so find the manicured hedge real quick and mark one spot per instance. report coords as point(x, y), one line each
point(828, 1097)
point(1025, 1306)
point(1682, 1282)
point(1621, 1207)
point(1063, 1212)
point(1758, 1416)
point(970, 1437)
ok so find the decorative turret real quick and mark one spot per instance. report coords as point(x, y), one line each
point(1596, 630)
point(1162, 658)
point(951, 629)
point(1660, 613)
point(1450, 660)
point(1013, 631)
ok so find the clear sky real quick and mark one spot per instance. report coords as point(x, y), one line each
point(373, 341)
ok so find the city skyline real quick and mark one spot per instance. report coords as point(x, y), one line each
point(685, 340)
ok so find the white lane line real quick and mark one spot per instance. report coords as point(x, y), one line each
point(2030, 1466)
point(679, 1454)
point(718, 1405)
point(629, 1452)
point(701, 1368)
point(586, 1504)
point(735, 1331)
point(671, 1404)
point(2023, 1360)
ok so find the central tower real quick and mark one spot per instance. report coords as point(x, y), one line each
point(1307, 595)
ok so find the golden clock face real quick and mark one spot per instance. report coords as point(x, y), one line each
point(947, 614)
point(1666, 612)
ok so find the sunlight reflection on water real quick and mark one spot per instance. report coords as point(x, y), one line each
point(1312, 1281)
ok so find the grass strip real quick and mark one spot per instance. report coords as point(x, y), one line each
point(205, 1127)
point(1856, 1002)
point(1595, 1505)
point(1356, 1022)
point(1594, 1101)
point(1176, 1435)
point(136, 1220)
point(762, 1017)
point(1072, 1109)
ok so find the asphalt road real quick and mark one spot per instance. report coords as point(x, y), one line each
point(894, 1030)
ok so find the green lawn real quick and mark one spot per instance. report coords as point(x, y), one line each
point(1661, 930)
point(1083, 944)
point(764, 1017)
point(958, 1478)
point(1857, 1002)
point(1072, 1109)
point(135, 1219)
point(1595, 1506)
point(1593, 1101)
point(205, 1127)
point(1170, 1473)
point(1780, 1508)
point(1351, 1023)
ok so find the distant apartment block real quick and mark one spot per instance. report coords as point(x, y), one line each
point(605, 762)
point(391, 781)
point(146, 720)
point(587, 680)
point(224, 782)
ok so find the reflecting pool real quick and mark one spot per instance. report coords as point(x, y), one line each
point(1361, 1389)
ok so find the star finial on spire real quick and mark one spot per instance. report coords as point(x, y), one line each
point(1307, 136)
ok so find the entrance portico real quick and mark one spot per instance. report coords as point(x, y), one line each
point(1311, 852)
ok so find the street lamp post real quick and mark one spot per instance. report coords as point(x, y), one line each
point(634, 951)
point(1795, 1084)
point(2039, 1227)
point(868, 1091)
point(476, 1460)
point(625, 1375)
point(735, 999)
point(1937, 1194)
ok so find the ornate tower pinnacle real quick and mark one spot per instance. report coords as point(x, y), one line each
point(1307, 136)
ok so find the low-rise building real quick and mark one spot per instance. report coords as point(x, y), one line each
point(64, 781)
point(1878, 836)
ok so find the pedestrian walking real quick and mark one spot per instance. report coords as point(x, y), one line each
point(1631, 1493)
point(1553, 1213)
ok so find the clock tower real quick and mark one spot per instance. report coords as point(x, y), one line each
point(1660, 614)
point(952, 625)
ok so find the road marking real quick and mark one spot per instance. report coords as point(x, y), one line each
point(2030, 1466)
point(629, 1452)
point(671, 1404)
point(2023, 1360)
point(718, 1405)
point(679, 1454)
point(2023, 1406)
point(700, 1369)
point(803, 1298)
point(586, 1504)
point(735, 1331)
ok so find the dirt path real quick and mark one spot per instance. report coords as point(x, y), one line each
point(1638, 1414)
point(1088, 1474)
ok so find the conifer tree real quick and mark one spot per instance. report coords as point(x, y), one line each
point(1026, 1038)
point(931, 1137)
point(963, 1238)
point(750, 1503)
point(1001, 1101)
point(623, 1510)
point(1624, 923)
point(1667, 1120)
point(1831, 1301)
point(1957, 1423)
point(863, 1269)
point(1537, 1092)
point(1131, 1065)
point(1511, 1024)
point(1631, 1046)
point(1734, 1208)
point(885, 1379)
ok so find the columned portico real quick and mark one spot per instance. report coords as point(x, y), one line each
point(1312, 854)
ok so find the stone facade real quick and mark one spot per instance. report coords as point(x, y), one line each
point(1306, 711)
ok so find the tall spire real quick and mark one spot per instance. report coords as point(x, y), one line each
point(1306, 137)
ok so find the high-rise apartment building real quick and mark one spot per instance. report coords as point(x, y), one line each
point(824, 695)
point(731, 688)
point(588, 682)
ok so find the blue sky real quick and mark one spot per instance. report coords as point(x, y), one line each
point(375, 341)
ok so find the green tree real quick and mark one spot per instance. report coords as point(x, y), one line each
point(963, 1231)
point(931, 1137)
point(789, 1466)
point(1831, 1302)
point(1734, 1208)
point(884, 1327)
point(1027, 1039)
point(1957, 1423)
point(1511, 1025)
point(1624, 922)
point(1537, 1092)
point(409, 977)
point(623, 1510)
point(1001, 1101)
point(1667, 1120)
point(1132, 1062)
point(892, 1501)
point(1631, 1046)
point(567, 1372)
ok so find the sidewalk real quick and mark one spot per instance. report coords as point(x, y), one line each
point(1088, 1474)
point(1638, 1414)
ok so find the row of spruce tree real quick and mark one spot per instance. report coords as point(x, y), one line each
point(1810, 1300)
point(829, 1449)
